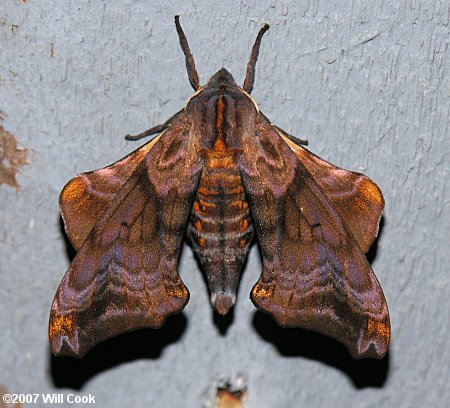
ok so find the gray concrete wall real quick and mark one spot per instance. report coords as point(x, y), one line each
point(366, 82)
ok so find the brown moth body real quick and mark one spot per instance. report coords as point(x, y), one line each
point(220, 173)
point(220, 226)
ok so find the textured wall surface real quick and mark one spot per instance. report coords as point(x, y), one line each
point(366, 82)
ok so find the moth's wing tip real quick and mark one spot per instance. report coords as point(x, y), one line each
point(376, 350)
point(373, 340)
point(66, 346)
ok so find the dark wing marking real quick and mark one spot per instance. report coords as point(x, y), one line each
point(356, 198)
point(315, 275)
point(124, 276)
point(84, 198)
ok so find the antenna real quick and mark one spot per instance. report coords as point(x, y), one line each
point(190, 64)
point(250, 76)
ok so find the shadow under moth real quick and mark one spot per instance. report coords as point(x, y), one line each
point(220, 173)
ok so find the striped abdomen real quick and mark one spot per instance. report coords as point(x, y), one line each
point(220, 226)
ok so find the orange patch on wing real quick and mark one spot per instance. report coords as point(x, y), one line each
point(75, 192)
point(202, 242)
point(262, 292)
point(370, 191)
point(178, 292)
point(75, 189)
point(378, 328)
point(61, 325)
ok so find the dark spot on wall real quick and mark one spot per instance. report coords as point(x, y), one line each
point(12, 158)
point(230, 397)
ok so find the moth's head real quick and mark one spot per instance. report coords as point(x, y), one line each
point(221, 77)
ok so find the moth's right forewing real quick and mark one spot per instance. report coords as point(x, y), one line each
point(315, 275)
point(124, 276)
point(356, 198)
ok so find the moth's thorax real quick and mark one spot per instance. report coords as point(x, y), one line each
point(223, 109)
point(220, 226)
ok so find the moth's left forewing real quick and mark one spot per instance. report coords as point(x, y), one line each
point(124, 276)
point(315, 275)
point(85, 197)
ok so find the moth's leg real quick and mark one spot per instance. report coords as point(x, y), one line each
point(284, 133)
point(154, 129)
point(303, 142)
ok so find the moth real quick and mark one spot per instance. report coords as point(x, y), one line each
point(220, 173)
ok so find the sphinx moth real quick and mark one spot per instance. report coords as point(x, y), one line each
point(220, 173)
